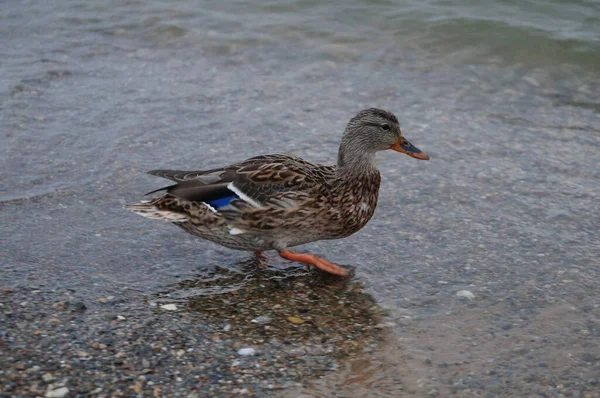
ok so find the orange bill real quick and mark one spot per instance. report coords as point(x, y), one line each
point(406, 147)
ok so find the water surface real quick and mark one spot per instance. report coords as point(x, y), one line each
point(502, 95)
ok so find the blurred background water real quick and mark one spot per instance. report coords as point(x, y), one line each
point(503, 95)
point(90, 70)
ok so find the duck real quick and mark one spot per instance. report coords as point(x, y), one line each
point(280, 201)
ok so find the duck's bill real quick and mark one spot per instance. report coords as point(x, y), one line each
point(409, 149)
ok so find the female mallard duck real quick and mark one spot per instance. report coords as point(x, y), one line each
point(274, 202)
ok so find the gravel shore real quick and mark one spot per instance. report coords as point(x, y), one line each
point(249, 332)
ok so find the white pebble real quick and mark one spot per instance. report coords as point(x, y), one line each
point(246, 351)
point(169, 307)
point(58, 393)
point(465, 293)
point(261, 319)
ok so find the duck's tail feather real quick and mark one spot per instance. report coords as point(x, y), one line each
point(156, 210)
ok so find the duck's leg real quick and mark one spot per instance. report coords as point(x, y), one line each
point(260, 257)
point(311, 259)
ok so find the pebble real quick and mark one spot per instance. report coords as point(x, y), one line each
point(246, 351)
point(295, 320)
point(103, 300)
point(169, 307)
point(261, 320)
point(465, 293)
point(48, 377)
point(58, 393)
point(79, 307)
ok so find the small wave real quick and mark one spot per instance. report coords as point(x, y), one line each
point(19, 199)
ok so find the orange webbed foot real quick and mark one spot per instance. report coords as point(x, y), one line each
point(311, 259)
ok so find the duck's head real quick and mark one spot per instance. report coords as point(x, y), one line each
point(373, 130)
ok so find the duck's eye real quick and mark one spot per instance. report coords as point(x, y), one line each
point(385, 126)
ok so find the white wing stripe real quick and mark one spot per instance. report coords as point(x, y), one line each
point(209, 207)
point(242, 195)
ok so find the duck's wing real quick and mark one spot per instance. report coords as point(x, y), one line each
point(253, 181)
point(263, 177)
point(182, 175)
point(195, 186)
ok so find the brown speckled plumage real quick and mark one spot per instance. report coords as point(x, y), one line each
point(280, 201)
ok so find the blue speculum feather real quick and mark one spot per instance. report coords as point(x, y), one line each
point(221, 202)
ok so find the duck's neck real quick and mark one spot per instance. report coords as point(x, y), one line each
point(353, 158)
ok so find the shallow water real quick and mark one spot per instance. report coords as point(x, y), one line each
point(502, 95)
